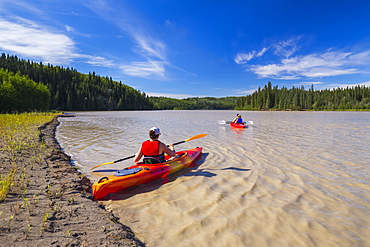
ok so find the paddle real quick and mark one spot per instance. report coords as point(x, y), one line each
point(132, 156)
point(228, 122)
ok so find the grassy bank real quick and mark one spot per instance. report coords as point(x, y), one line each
point(44, 201)
point(19, 134)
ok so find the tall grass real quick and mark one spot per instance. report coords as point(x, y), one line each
point(19, 136)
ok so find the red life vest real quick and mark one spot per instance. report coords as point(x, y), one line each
point(151, 149)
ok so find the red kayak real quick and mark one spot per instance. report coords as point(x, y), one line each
point(141, 173)
point(238, 125)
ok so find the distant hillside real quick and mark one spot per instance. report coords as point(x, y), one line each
point(74, 91)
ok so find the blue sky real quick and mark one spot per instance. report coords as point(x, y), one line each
point(196, 48)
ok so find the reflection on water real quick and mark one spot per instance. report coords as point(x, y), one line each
point(290, 179)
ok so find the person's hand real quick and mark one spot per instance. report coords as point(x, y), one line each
point(174, 157)
point(171, 147)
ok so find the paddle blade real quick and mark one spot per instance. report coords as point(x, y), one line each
point(108, 163)
point(224, 122)
point(195, 137)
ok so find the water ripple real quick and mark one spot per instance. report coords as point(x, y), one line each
point(291, 179)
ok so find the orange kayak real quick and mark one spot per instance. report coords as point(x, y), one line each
point(141, 173)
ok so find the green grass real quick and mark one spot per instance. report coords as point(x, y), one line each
point(19, 135)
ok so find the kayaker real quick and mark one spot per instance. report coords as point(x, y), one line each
point(238, 119)
point(154, 148)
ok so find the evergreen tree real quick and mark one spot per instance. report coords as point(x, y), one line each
point(71, 90)
point(19, 93)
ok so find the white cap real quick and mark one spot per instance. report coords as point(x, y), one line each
point(156, 130)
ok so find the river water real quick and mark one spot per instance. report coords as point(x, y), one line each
point(290, 179)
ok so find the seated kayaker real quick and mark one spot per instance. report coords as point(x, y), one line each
point(153, 150)
point(238, 119)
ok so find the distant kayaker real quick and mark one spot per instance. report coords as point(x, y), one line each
point(154, 148)
point(238, 119)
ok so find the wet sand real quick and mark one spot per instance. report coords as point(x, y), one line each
point(56, 207)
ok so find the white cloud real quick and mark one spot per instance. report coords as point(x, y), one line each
point(245, 92)
point(361, 58)
point(262, 52)
point(69, 28)
point(243, 58)
point(330, 63)
point(144, 69)
point(98, 61)
point(284, 48)
point(31, 40)
point(34, 41)
point(149, 47)
point(288, 47)
point(331, 86)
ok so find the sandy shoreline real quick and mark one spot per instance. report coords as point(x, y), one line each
point(56, 207)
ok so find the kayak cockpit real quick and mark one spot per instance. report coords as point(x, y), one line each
point(127, 171)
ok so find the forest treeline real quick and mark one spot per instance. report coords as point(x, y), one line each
point(14, 87)
point(26, 86)
point(298, 98)
point(206, 103)
point(71, 90)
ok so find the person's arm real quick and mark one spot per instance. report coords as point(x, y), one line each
point(138, 155)
point(170, 151)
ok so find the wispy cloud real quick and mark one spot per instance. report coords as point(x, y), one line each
point(284, 48)
point(35, 41)
point(317, 65)
point(288, 47)
point(332, 86)
point(330, 63)
point(243, 58)
point(98, 61)
point(6, 6)
point(32, 40)
point(244, 92)
point(144, 69)
point(69, 28)
point(151, 50)
point(149, 47)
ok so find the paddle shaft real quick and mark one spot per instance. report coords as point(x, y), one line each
point(130, 157)
point(228, 122)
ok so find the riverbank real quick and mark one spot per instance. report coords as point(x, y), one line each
point(49, 203)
